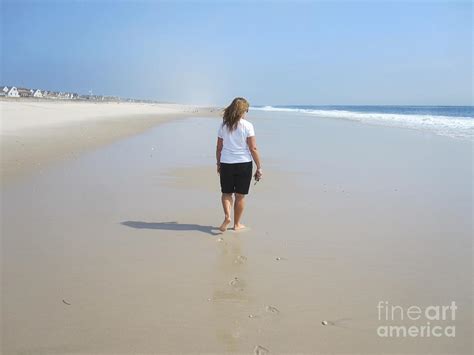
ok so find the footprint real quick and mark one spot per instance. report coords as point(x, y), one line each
point(272, 309)
point(260, 350)
point(240, 259)
point(237, 283)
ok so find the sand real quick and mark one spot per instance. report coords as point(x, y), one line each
point(117, 250)
point(36, 133)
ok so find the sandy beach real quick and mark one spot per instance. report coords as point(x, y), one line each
point(36, 133)
point(110, 240)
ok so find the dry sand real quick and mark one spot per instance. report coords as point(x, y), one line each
point(117, 250)
point(35, 133)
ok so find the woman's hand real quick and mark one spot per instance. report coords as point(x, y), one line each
point(258, 174)
point(218, 168)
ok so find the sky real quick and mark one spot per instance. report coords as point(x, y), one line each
point(271, 52)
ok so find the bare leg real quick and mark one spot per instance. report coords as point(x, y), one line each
point(238, 210)
point(227, 205)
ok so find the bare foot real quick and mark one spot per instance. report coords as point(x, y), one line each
point(224, 225)
point(238, 226)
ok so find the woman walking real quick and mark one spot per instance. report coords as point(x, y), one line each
point(236, 146)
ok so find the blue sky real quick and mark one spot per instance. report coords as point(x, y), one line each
point(272, 52)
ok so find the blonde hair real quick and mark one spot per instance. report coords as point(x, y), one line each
point(234, 112)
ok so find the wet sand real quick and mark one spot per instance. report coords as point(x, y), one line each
point(117, 250)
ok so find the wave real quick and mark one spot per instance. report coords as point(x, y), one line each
point(457, 127)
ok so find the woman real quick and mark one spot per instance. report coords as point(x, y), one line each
point(236, 146)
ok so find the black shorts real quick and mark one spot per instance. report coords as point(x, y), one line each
point(236, 177)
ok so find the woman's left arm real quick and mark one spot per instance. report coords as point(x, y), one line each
point(220, 144)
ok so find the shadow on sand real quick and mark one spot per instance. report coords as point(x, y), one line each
point(172, 226)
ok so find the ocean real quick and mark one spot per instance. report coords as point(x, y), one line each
point(451, 121)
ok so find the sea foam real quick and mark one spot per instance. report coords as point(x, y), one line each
point(452, 126)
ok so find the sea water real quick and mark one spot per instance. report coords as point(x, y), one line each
point(452, 121)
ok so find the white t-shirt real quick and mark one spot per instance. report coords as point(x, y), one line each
point(235, 149)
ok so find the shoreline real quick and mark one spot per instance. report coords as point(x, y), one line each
point(29, 145)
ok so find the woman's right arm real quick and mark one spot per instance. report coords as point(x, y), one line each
point(219, 145)
point(252, 143)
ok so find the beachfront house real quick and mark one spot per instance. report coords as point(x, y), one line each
point(5, 89)
point(50, 94)
point(23, 92)
point(63, 95)
point(37, 93)
point(13, 92)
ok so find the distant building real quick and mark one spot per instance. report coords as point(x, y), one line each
point(50, 95)
point(13, 92)
point(23, 92)
point(37, 93)
point(5, 89)
point(110, 98)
